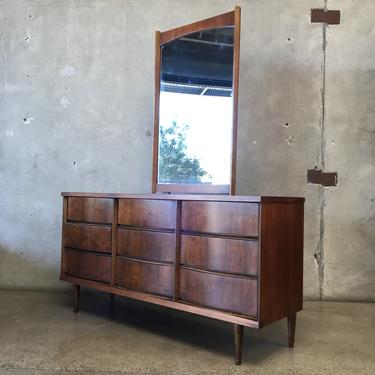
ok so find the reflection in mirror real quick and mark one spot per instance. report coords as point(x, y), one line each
point(196, 106)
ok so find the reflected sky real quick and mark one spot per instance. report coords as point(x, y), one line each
point(209, 137)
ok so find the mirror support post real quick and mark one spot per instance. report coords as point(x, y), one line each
point(156, 112)
point(236, 80)
point(233, 20)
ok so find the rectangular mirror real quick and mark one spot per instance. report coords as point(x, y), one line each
point(196, 107)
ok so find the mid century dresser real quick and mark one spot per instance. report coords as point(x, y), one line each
point(234, 258)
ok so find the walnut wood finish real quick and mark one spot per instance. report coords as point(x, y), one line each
point(230, 19)
point(76, 293)
point(146, 245)
point(157, 300)
point(155, 150)
point(291, 329)
point(189, 197)
point(147, 213)
point(88, 237)
point(281, 277)
point(227, 293)
point(145, 277)
point(177, 252)
point(64, 220)
point(235, 90)
point(90, 210)
point(238, 341)
point(114, 241)
point(81, 264)
point(220, 254)
point(220, 217)
point(223, 20)
point(207, 271)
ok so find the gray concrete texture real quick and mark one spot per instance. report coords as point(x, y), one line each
point(40, 334)
point(76, 114)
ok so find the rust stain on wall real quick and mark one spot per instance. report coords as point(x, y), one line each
point(317, 176)
point(331, 17)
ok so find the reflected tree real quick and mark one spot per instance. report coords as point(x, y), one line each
point(175, 165)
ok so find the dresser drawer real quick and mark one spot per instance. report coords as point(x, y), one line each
point(228, 293)
point(227, 218)
point(88, 266)
point(87, 237)
point(220, 254)
point(140, 244)
point(147, 213)
point(145, 277)
point(90, 210)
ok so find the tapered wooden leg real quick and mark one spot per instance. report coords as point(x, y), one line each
point(238, 339)
point(291, 329)
point(76, 292)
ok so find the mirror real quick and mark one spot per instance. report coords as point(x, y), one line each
point(194, 108)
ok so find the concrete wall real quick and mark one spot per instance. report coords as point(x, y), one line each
point(76, 107)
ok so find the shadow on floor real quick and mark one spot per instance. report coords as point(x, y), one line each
point(209, 334)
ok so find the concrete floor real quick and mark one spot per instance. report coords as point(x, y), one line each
point(40, 334)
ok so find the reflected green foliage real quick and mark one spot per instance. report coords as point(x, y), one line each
point(175, 166)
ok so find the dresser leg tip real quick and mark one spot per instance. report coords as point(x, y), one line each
point(238, 339)
point(76, 293)
point(291, 330)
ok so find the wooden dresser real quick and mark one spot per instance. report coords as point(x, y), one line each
point(234, 258)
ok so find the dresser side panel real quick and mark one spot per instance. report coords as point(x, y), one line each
point(281, 263)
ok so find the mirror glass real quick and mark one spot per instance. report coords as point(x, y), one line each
point(196, 108)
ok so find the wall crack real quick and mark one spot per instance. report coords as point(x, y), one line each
point(319, 253)
point(5, 65)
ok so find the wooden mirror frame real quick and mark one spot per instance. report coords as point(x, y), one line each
point(230, 19)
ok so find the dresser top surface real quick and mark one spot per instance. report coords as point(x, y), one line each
point(188, 197)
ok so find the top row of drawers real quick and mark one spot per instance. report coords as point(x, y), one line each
point(230, 218)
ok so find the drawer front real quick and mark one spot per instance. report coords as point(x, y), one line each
point(147, 213)
point(88, 266)
point(90, 210)
point(88, 237)
point(145, 277)
point(229, 218)
point(139, 244)
point(220, 254)
point(228, 293)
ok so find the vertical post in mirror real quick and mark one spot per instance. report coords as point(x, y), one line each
point(196, 101)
